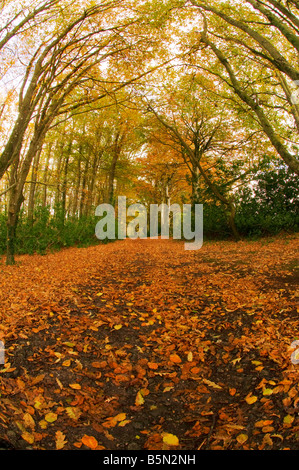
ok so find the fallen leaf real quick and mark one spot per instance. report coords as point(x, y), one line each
point(139, 399)
point(212, 384)
point(190, 357)
point(170, 439)
point(28, 437)
point(113, 420)
point(51, 417)
point(75, 386)
point(153, 365)
point(261, 424)
point(288, 419)
point(175, 358)
point(90, 441)
point(73, 412)
point(242, 438)
point(124, 422)
point(60, 440)
point(250, 399)
point(28, 421)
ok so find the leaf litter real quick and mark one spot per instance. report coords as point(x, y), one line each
point(142, 345)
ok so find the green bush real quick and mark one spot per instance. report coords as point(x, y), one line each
point(270, 205)
point(50, 232)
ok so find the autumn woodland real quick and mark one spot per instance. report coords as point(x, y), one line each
point(137, 343)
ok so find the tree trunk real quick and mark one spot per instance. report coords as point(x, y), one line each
point(231, 221)
point(45, 177)
point(111, 176)
point(195, 184)
point(16, 196)
point(33, 187)
point(15, 201)
point(77, 187)
point(64, 184)
point(83, 190)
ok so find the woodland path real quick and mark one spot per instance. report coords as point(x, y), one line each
point(142, 345)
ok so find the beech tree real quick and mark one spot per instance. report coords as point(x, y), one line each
point(67, 62)
point(271, 46)
point(208, 139)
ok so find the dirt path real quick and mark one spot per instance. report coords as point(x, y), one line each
point(142, 345)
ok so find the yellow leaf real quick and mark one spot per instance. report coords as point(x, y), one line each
point(250, 399)
point(60, 440)
point(288, 419)
point(124, 422)
point(59, 383)
point(28, 437)
point(117, 327)
point(75, 386)
point(167, 389)
point(29, 421)
point(170, 439)
point(234, 361)
point(120, 417)
point(90, 441)
point(70, 345)
point(73, 412)
point(190, 357)
point(139, 399)
point(67, 363)
point(267, 391)
point(51, 417)
point(242, 438)
point(43, 424)
point(211, 384)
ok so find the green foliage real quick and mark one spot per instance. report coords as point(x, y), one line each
point(50, 232)
point(270, 205)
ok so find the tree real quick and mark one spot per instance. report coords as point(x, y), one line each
point(207, 140)
point(60, 67)
point(276, 53)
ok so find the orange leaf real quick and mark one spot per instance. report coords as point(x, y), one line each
point(96, 365)
point(60, 440)
point(75, 386)
point(153, 365)
point(90, 441)
point(175, 358)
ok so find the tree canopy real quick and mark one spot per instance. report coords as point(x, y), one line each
point(177, 100)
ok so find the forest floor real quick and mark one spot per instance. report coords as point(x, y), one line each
point(141, 345)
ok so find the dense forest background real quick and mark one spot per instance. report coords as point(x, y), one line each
point(165, 101)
